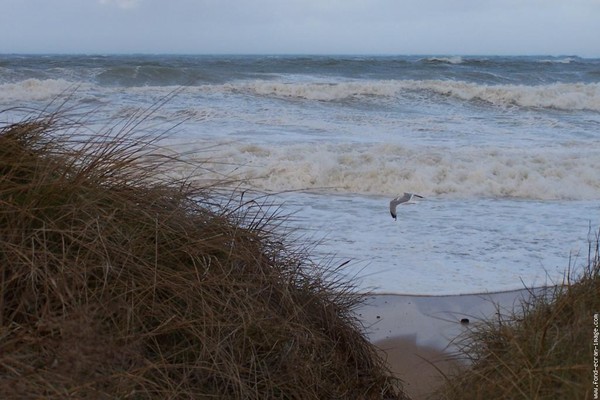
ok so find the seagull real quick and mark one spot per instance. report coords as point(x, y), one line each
point(405, 199)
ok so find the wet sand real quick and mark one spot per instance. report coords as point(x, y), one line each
point(417, 334)
point(422, 369)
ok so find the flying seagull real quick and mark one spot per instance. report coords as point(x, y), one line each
point(405, 199)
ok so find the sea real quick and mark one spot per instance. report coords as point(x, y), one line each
point(505, 151)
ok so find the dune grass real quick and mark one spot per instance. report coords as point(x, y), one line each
point(541, 350)
point(118, 280)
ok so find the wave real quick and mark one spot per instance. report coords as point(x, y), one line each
point(384, 169)
point(38, 89)
point(443, 60)
point(562, 96)
point(319, 91)
point(565, 60)
point(152, 75)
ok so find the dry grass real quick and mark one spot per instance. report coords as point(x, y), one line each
point(543, 350)
point(117, 281)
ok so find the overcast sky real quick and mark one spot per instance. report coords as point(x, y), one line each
point(460, 27)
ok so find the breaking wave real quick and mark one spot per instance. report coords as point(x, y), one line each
point(562, 96)
point(565, 60)
point(383, 169)
point(37, 89)
point(444, 60)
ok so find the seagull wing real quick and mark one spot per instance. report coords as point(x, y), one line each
point(409, 197)
point(402, 199)
point(405, 198)
point(393, 205)
point(398, 200)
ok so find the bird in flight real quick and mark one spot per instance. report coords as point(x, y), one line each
point(407, 198)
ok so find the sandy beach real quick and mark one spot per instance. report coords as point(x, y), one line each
point(416, 334)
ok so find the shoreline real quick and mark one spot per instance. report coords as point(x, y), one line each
point(417, 334)
point(434, 321)
point(493, 292)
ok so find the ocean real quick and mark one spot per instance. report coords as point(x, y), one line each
point(506, 151)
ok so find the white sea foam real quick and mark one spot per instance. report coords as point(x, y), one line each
point(319, 91)
point(566, 60)
point(37, 89)
point(563, 96)
point(382, 169)
point(447, 246)
point(446, 60)
point(347, 135)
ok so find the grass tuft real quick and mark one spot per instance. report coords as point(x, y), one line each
point(118, 280)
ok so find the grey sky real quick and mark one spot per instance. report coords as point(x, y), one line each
point(549, 27)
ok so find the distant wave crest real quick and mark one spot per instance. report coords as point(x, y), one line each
point(562, 96)
point(444, 60)
point(565, 60)
point(36, 89)
point(320, 91)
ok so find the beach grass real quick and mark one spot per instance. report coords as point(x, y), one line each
point(119, 278)
point(542, 349)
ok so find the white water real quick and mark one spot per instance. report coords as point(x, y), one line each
point(569, 173)
point(445, 246)
point(560, 96)
point(506, 151)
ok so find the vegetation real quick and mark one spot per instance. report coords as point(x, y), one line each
point(120, 280)
point(543, 350)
